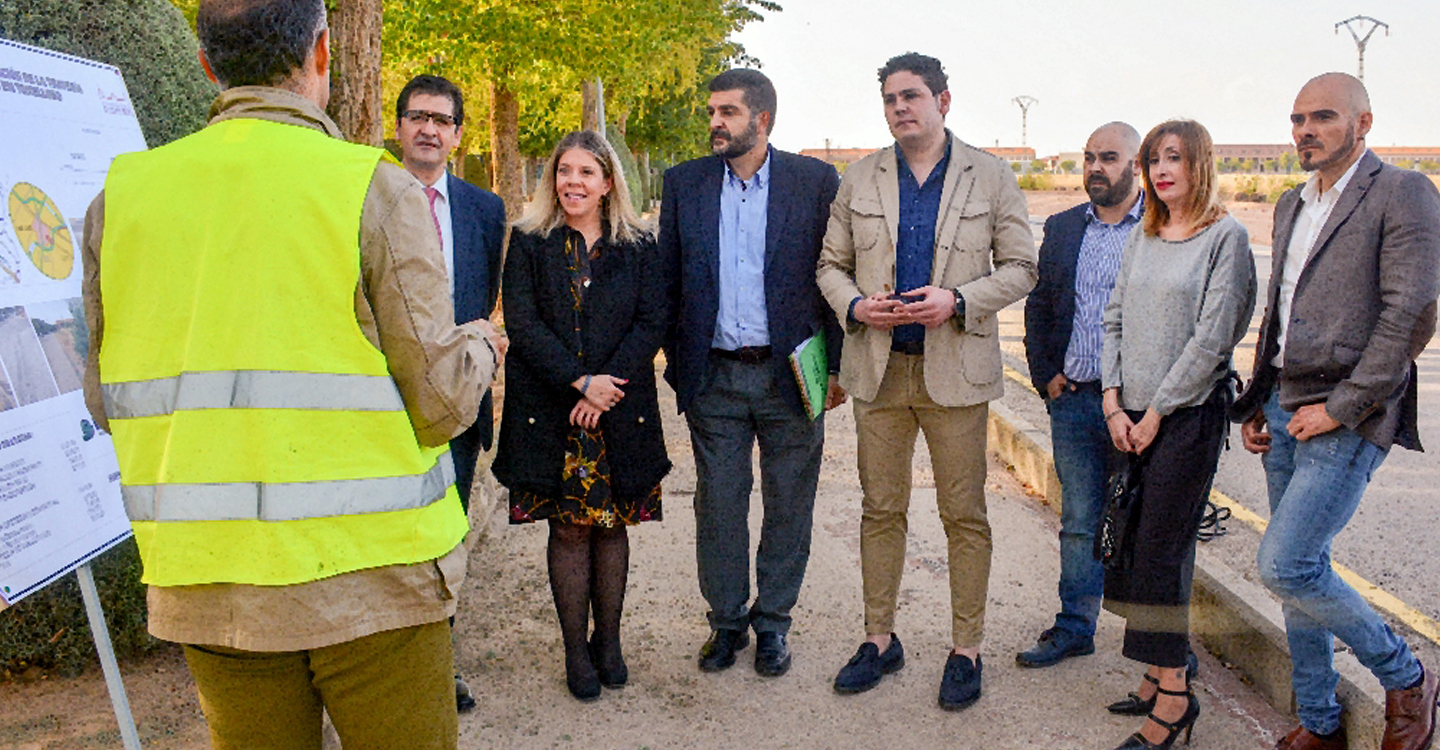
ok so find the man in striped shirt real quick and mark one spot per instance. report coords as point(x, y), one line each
point(1079, 259)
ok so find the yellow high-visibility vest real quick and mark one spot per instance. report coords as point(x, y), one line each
point(260, 436)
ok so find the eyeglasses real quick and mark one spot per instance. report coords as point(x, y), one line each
point(419, 116)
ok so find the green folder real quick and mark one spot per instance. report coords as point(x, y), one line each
point(812, 373)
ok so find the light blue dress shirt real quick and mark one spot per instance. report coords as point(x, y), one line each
point(742, 319)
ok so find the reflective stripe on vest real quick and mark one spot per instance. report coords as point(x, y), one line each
point(251, 389)
point(244, 501)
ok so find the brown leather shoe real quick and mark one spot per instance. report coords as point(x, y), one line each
point(1410, 715)
point(1301, 738)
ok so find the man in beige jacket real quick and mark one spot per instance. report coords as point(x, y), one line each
point(927, 241)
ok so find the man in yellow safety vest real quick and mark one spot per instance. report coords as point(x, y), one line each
point(273, 350)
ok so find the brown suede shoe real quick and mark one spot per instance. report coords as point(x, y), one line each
point(1410, 715)
point(1301, 738)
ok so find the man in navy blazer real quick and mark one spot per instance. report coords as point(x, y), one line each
point(740, 233)
point(1079, 260)
point(429, 120)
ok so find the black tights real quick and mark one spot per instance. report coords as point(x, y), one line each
point(588, 566)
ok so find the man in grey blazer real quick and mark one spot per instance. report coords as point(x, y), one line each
point(1352, 300)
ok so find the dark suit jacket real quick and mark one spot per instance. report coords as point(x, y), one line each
point(477, 225)
point(1364, 306)
point(1050, 308)
point(801, 190)
point(621, 324)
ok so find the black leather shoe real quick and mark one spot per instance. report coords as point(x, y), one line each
point(1054, 646)
point(772, 656)
point(868, 665)
point(960, 685)
point(610, 668)
point(580, 676)
point(464, 701)
point(718, 653)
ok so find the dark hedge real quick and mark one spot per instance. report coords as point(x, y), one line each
point(148, 40)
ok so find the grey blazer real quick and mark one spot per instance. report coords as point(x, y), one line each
point(1364, 306)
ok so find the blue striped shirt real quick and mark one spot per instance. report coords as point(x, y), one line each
point(1095, 272)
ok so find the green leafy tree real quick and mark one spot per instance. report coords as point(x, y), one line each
point(534, 56)
point(1068, 165)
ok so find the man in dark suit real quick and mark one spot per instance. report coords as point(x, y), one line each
point(1079, 260)
point(740, 232)
point(1351, 304)
point(429, 120)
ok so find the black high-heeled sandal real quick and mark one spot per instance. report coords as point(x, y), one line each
point(1133, 705)
point(1186, 722)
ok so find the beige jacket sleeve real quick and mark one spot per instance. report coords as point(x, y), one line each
point(402, 305)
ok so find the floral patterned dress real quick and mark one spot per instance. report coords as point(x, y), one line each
point(585, 496)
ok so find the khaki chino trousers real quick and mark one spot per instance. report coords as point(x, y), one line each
point(886, 430)
point(393, 689)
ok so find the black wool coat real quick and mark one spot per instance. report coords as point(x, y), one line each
point(621, 326)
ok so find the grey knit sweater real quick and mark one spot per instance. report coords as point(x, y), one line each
point(1177, 312)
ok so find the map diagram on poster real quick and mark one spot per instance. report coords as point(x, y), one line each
point(63, 120)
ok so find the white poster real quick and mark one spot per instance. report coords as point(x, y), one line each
point(62, 121)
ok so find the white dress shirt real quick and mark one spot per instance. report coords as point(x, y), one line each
point(1315, 209)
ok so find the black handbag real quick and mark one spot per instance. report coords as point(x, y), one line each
point(1114, 542)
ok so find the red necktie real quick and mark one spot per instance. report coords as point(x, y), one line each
point(432, 194)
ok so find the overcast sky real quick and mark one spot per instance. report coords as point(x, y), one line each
point(1234, 65)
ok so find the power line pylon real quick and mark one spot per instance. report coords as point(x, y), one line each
point(1024, 102)
point(1361, 41)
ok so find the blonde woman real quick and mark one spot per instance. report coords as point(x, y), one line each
point(580, 440)
point(1182, 301)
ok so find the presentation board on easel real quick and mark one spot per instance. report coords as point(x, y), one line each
point(62, 121)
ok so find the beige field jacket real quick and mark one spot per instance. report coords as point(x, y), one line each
point(983, 245)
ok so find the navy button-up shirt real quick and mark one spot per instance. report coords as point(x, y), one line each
point(915, 245)
point(742, 320)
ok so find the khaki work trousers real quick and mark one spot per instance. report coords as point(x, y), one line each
point(886, 429)
point(393, 689)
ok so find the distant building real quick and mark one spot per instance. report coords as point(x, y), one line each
point(1408, 156)
point(840, 158)
point(1022, 155)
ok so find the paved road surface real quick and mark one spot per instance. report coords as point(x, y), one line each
point(508, 644)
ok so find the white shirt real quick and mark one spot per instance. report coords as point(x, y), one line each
point(1315, 209)
point(447, 233)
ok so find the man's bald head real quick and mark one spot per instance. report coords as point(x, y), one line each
point(1120, 133)
point(1329, 122)
point(258, 42)
point(1110, 168)
point(1341, 88)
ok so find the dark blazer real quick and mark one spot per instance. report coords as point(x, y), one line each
point(1364, 306)
point(1050, 308)
point(801, 190)
point(477, 225)
point(622, 323)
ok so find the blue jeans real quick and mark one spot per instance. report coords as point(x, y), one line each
point(1082, 448)
point(1315, 487)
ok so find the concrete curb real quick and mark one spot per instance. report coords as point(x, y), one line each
point(1233, 618)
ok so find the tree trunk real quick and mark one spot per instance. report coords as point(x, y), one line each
point(592, 102)
point(505, 148)
point(355, 70)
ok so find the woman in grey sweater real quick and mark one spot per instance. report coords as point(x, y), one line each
point(1182, 301)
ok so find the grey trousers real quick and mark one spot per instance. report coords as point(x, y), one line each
point(739, 405)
